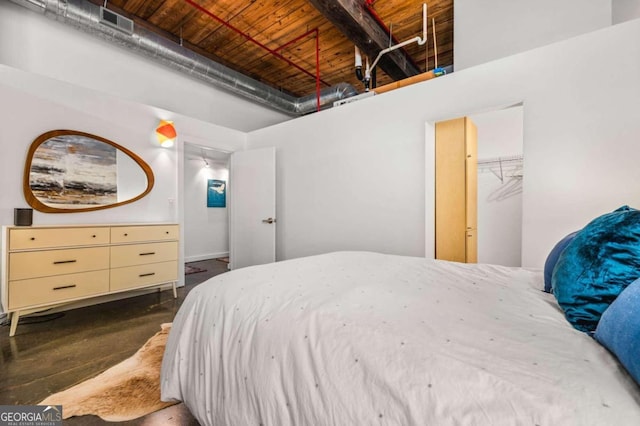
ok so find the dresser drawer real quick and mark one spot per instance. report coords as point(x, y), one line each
point(37, 238)
point(143, 275)
point(140, 254)
point(40, 291)
point(138, 234)
point(33, 264)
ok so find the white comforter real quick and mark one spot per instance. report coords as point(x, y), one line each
point(357, 338)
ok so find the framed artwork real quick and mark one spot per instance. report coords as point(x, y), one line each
point(216, 193)
point(76, 171)
point(71, 171)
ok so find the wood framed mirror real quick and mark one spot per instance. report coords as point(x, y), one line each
point(68, 171)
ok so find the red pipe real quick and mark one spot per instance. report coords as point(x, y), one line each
point(318, 69)
point(368, 4)
point(315, 30)
point(248, 37)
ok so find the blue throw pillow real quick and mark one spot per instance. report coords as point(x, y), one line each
point(597, 265)
point(619, 329)
point(552, 259)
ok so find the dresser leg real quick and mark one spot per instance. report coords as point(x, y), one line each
point(15, 316)
point(175, 292)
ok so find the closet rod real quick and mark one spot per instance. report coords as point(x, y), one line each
point(499, 160)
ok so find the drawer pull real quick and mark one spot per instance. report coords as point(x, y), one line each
point(147, 275)
point(93, 236)
point(58, 262)
point(65, 286)
point(33, 238)
point(167, 232)
point(148, 253)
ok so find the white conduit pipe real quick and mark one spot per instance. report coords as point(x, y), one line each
point(358, 59)
point(420, 40)
point(424, 24)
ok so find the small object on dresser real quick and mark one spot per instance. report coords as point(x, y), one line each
point(22, 217)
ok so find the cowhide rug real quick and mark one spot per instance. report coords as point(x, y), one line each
point(126, 391)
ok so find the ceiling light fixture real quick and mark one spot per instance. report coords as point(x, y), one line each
point(204, 158)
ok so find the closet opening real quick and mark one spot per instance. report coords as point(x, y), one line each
point(500, 175)
point(474, 167)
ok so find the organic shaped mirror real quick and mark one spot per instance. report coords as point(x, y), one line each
point(70, 171)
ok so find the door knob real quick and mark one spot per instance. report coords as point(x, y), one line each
point(269, 221)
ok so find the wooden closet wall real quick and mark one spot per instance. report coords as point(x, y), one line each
point(456, 190)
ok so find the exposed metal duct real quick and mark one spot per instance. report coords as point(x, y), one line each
point(85, 16)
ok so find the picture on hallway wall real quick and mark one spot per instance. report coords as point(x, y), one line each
point(216, 193)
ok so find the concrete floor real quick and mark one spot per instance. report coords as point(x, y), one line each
point(54, 352)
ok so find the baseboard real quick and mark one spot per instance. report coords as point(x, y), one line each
point(206, 256)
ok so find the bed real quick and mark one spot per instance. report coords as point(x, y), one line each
point(361, 338)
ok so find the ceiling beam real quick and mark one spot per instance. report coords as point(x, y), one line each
point(357, 24)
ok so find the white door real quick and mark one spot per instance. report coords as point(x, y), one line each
point(252, 196)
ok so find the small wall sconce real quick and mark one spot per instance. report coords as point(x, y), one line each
point(166, 133)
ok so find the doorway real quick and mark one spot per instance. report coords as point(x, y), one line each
point(500, 175)
point(206, 217)
point(500, 172)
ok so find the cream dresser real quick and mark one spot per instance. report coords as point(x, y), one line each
point(45, 266)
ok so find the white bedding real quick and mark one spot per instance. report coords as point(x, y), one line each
point(357, 338)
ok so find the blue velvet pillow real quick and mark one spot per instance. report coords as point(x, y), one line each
point(619, 329)
point(596, 266)
point(552, 259)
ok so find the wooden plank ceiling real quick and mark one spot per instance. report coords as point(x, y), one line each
point(287, 27)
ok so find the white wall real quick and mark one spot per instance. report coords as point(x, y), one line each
point(625, 10)
point(350, 177)
point(499, 202)
point(26, 116)
point(206, 229)
point(353, 176)
point(33, 104)
point(348, 180)
point(34, 43)
point(488, 30)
